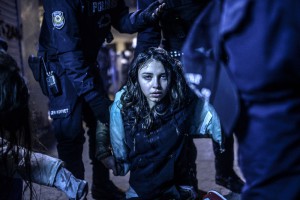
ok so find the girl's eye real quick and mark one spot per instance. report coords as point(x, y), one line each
point(147, 77)
point(163, 77)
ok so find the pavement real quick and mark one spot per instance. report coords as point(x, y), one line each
point(205, 174)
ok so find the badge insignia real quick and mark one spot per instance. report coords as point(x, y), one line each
point(58, 19)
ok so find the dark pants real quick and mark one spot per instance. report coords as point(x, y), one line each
point(69, 112)
point(224, 161)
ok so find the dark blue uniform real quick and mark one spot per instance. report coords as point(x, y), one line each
point(261, 45)
point(71, 35)
point(171, 34)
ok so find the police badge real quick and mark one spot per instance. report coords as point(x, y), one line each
point(58, 19)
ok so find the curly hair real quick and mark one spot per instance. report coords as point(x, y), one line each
point(14, 112)
point(134, 102)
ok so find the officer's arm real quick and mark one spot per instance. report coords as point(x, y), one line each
point(148, 37)
point(126, 22)
point(61, 18)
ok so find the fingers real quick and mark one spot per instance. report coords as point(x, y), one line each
point(158, 11)
point(108, 162)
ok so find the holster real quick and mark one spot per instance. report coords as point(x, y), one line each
point(39, 72)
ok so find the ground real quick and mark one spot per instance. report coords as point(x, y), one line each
point(205, 174)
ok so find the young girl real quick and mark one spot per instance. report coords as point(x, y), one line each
point(17, 160)
point(152, 120)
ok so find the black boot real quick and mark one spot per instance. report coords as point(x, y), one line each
point(232, 182)
point(225, 174)
point(103, 188)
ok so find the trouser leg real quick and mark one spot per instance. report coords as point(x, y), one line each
point(102, 187)
point(224, 162)
point(70, 139)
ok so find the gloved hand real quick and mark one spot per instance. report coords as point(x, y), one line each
point(109, 163)
point(74, 188)
point(103, 146)
point(152, 12)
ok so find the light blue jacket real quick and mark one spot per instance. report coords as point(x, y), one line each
point(43, 168)
point(205, 123)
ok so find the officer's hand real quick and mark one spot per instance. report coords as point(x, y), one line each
point(109, 163)
point(153, 12)
point(158, 11)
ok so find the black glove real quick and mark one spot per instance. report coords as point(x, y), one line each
point(109, 163)
point(150, 15)
point(74, 188)
point(103, 146)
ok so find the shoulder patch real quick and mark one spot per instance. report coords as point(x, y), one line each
point(58, 19)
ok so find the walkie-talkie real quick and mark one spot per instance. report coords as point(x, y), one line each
point(51, 80)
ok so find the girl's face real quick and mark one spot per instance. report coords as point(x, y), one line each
point(153, 81)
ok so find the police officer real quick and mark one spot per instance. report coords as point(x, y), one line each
point(256, 45)
point(71, 34)
point(174, 25)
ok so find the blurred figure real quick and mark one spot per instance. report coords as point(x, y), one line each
point(254, 47)
point(17, 160)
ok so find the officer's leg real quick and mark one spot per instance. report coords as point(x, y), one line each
point(70, 138)
point(186, 173)
point(225, 174)
point(192, 156)
point(66, 111)
point(102, 187)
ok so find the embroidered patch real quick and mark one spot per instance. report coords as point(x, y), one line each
point(59, 113)
point(58, 19)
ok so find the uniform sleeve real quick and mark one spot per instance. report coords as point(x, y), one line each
point(126, 22)
point(62, 19)
point(43, 168)
point(150, 36)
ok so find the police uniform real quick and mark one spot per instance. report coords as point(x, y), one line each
point(259, 44)
point(175, 25)
point(71, 34)
point(262, 41)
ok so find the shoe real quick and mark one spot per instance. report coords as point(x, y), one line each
point(231, 182)
point(213, 195)
point(107, 191)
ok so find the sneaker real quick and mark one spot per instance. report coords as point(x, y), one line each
point(232, 182)
point(213, 195)
point(107, 191)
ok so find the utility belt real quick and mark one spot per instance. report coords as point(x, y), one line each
point(42, 73)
